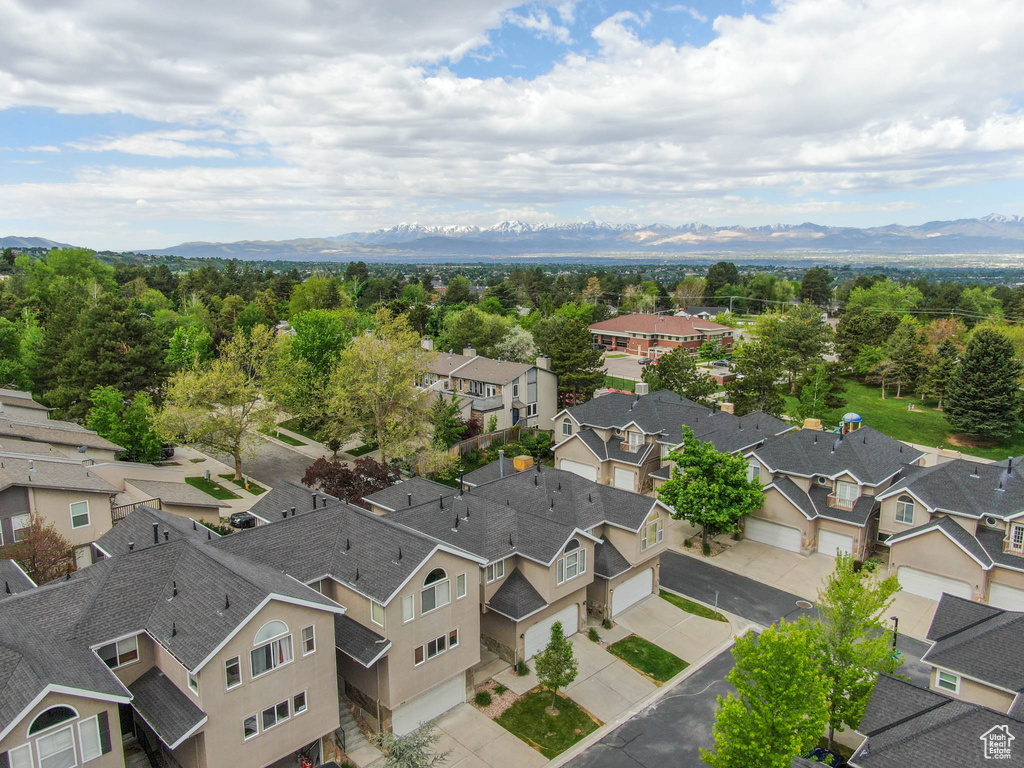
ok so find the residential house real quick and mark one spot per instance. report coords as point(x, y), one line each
point(822, 489)
point(515, 393)
point(551, 545)
point(909, 726)
point(19, 406)
point(56, 438)
point(286, 499)
point(161, 487)
point(654, 335)
point(975, 654)
point(702, 313)
point(13, 579)
point(624, 440)
point(958, 528)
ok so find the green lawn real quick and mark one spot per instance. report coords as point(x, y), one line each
point(216, 490)
point(924, 425)
point(197, 461)
point(530, 720)
point(615, 382)
point(610, 357)
point(649, 658)
point(294, 424)
point(253, 487)
point(691, 607)
point(283, 437)
point(362, 450)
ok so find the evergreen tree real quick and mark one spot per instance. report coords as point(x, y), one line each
point(677, 371)
point(556, 667)
point(719, 275)
point(569, 344)
point(445, 418)
point(822, 393)
point(816, 287)
point(938, 379)
point(984, 397)
point(759, 385)
point(191, 347)
point(458, 291)
point(905, 352)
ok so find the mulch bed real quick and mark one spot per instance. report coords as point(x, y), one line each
point(498, 703)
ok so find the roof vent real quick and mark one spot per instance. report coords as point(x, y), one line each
point(510, 540)
point(31, 466)
point(174, 629)
point(590, 498)
point(455, 526)
point(227, 602)
point(348, 544)
point(293, 511)
point(535, 480)
point(440, 500)
point(174, 589)
point(284, 513)
point(408, 499)
point(357, 574)
point(131, 545)
point(7, 587)
point(194, 527)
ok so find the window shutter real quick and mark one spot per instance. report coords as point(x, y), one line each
point(104, 722)
point(5, 762)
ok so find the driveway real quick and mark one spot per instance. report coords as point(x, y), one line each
point(272, 463)
point(688, 636)
point(625, 367)
point(476, 741)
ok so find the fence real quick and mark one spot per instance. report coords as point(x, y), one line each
point(617, 382)
point(117, 514)
point(488, 439)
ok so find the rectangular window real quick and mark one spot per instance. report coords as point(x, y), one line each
point(572, 565)
point(308, 641)
point(80, 514)
point(275, 715)
point(460, 586)
point(193, 682)
point(250, 728)
point(453, 638)
point(120, 653)
point(408, 609)
point(271, 656)
point(299, 703)
point(753, 471)
point(435, 596)
point(377, 613)
point(846, 491)
point(635, 440)
point(89, 739)
point(417, 657)
point(57, 750)
point(653, 533)
point(904, 511)
point(566, 427)
point(1017, 538)
point(233, 672)
point(21, 757)
point(947, 681)
point(495, 571)
point(531, 409)
point(515, 389)
point(20, 525)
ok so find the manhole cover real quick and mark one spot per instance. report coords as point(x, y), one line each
point(804, 604)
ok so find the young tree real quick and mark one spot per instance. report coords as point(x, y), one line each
point(221, 406)
point(569, 344)
point(517, 346)
point(758, 385)
point(905, 352)
point(445, 418)
point(779, 709)
point(128, 424)
point(677, 371)
point(364, 477)
point(854, 645)
point(373, 388)
point(710, 350)
point(709, 488)
point(413, 750)
point(191, 347)
point(42, 553)
point(556, 667)
point(984, 398)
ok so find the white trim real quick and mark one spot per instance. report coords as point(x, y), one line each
point(523, 618)
point(898, 537)
point(61, 724)
point(978, 680)
point(772, 486)
point(956, 682)
point(302, 640)
point(29, 578)
point(437, 548)
point(68, 691)
point(240, 678)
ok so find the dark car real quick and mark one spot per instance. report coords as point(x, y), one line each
point(602, 347)
point(645, 361)
point(242, 520)
point(167, 451)
point(721, 363)
point(827, 757)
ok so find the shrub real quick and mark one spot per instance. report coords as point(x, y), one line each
point(706, 549)
point(607, 623)
point(521, 669)
point(500, 690)
point(687, 543)
point(483, 699)
point(592, 634)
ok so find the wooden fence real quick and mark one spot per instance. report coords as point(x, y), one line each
point(489, 439)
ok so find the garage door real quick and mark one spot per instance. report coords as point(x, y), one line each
point(539, 635)
point(632, 591)
point(625, 479)
point(429, 705)
point(931, 585)
point(829, 543)
point(579, 468)
point(781, 536)
point(1007, 598)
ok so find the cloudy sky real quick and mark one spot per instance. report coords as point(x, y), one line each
point(144, 124)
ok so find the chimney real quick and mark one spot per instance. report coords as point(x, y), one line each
point(469, 352)
point(427, 343)
point(544, 363)
point(814, 424)
point(729, 408)
point(642, 388)
point(501, 462)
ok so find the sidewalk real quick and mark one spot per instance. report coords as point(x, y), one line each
point(183, 456)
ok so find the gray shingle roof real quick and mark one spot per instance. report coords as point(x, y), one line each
point(50, 472)
point(286, 495)
point(13, 579)
point(165, 708)
point(137, 529)
point(361, 643)
point(493, 471)
point(869, 455)
point(349, 544)
point(421, 489)
point(991, 541)
point(987, 649)
point(612, 449)
point(516, 597)
point(56, 433)
point(797, 495)
point(492, 371)
point(859, 515)
point(176, 493)
point(955, 531)
point(608, 561)
point(968, 488)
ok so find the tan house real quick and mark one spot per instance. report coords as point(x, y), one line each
point(57, 438)
point(957, 528)
point(822, 489)
point(161, 487)
point(515, 393)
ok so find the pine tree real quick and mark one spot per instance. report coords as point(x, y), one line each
point(904, 350)
point(556, 666)
point(446, 421)
point(677, 371)
point(569, 344)
point(939, 378)
point(816, 287)
point(822, 393)
point(984, 397)
point(758, 385)
point(128, 424)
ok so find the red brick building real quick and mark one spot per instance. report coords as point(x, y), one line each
point(654, 335)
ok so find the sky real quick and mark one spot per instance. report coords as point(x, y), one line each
point(128, 124)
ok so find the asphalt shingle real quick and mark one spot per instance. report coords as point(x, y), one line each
point(361, 643)
point(176, 493)
point(968, 488)
point(137, 529)
point(286, 496)
point(410, 493)
point(516, 598)
point(608, 561)
point(954, 530)
point(165, 708)
point(13, 579)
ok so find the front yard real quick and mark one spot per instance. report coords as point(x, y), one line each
point(691, 607)
point(529, 719)
point(252, 487)
point(216, 490)
point(648, 658)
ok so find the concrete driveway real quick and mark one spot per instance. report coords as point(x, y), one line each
point(688, 636)
point(606, 686)
point(476, 741)
point(624, 367)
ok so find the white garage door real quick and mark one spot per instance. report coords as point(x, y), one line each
point(781, 536)
point(429, 705)
point(539, 635)
point(625, 479)
point(579, 468)
point(931, 585)
point(829, 542)
point(632, 591)
point(1007, 598)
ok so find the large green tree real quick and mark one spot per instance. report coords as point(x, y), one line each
point(709, 488)
point(678, 371)
point(801, 336)
point(816, 287)
point(984, 398)
point(779, 710)
point(128, 423)
point(941, 371)
point(719, 275)
point(569, 344)
point(822, 393)
point(904, 350)
point(759, 384)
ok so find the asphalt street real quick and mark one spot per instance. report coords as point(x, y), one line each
point(271, 464)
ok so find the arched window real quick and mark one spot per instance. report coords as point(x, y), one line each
point(51, 717)
point(905, 509)
point(567, 426)
point(269, 631)
point(437, 591)
point(653, 531)
point(573, 562)
point(573, 544)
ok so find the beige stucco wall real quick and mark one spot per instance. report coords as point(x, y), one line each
point(859, 535)
point(86, 708)
point(204, 514)
point(544, 577)
point(778, 509)
point(599, 593)
point(55, 507)
point(976, 693)
point(575, 450)
point(935, 553)
point(577, 596)
point(887, 515)
point(1007, 576)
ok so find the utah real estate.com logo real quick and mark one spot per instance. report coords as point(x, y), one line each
point(996, 742)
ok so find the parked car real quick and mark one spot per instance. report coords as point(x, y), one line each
point(645, 361)
point(602, 347)
point(167, 451)
point(827, 757)
point(721, 363)
point(242, 520)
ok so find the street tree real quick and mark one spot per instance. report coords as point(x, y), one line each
point(759, 383)
point(779, 710)
point(854, 645)
point(678, 371)
point(556, 666)
point(128, 423)
point(42, 552)
point(709, 488)
point(984, 396)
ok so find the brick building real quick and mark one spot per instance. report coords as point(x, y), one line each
point(654, 335)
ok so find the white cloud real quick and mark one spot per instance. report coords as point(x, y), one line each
point(540, 23)
point(694, 13)
point(160, 144)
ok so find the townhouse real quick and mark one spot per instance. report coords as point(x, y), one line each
point(822, 489)
point(624, 440)
point(958, 528)
point(654, 335)
point(55, 438)
point(18, 405)
point(161, 487)
point(515, 393)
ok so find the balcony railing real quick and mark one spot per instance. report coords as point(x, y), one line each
point(482, 403)
point(840, 503)
point(117, 514)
